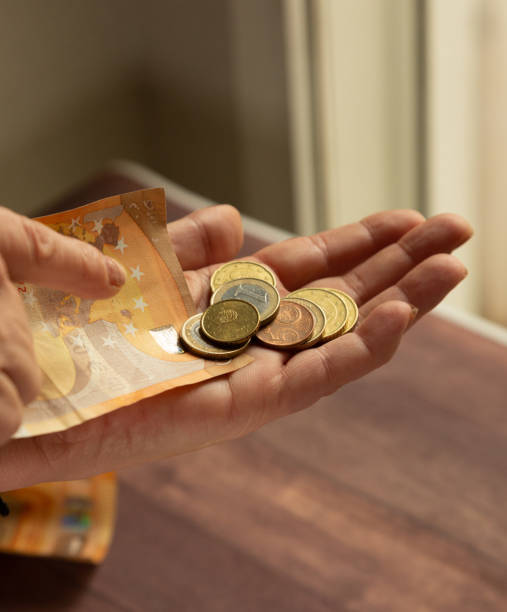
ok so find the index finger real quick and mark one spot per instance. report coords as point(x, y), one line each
point(37, 254)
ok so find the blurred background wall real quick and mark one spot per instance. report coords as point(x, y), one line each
point(192, 88)
point(303, 113)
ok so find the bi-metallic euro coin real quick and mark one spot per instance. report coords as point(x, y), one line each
point(320, 321)
point(292, 326)
point(230, 322)
point(333, 306)
point(196, 343)
point(352, 310)
point(257, 292)
point(241, 269)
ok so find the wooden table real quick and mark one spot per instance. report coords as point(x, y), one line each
point(390, 495)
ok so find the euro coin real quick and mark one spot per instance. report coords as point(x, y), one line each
point(230, 322)
point(333, 306)
point(257, 292)
point(353, 311)
point(292, 326)
point(196, 343)
point(241, 269)
point(320, 321)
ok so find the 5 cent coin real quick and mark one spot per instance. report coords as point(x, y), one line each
point(292, 326)
point(320, 321)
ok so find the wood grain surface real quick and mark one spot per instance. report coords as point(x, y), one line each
point(390, 495)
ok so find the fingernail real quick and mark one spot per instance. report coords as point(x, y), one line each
point(115, 272)
point(414, 312)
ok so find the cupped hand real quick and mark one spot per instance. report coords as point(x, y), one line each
point(31, 252)
point(397, 267)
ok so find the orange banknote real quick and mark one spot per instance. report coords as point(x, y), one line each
point(99, 355)
point(72, 520)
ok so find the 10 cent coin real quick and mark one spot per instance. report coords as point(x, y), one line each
point(230, 322)
point(241, 269)
point(333, 306)
point(197, 343)
point(352, 310)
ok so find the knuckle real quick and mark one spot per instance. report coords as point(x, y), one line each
point(89, 263)
point(10, 408)
point(39, 240)
point(4, 272)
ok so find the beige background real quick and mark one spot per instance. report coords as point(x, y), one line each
point(194, 89)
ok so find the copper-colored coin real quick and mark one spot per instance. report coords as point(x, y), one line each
point(352, 310)
point(320, 321)
point(196, 343)
point(230, 322)
point(259, 293)
point(292, 326)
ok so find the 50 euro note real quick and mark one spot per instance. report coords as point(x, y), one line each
point(99, 355)
point(72, 520)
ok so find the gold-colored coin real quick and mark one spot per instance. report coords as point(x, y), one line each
point(194, 340)
point(320, 321)
point(259, 293)
point(230, 322)
point(352, 309)
point(241, 269)
point(333, 306)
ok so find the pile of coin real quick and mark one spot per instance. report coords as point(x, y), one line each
point(245, 304)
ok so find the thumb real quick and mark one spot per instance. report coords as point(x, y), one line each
point(35, 253)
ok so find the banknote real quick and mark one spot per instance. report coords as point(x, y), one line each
point(99, 355)
point(72, 520)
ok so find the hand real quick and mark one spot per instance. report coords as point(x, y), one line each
point(31, 252)
point(391, 263)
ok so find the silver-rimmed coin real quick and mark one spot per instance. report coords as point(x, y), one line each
point(196, 343)
point(257, 292)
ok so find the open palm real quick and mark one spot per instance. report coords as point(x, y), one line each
point(395, 265)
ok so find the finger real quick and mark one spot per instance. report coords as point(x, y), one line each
point(11, 408)
point(17, 357)
point(35, 253)
point(320, 371)
point(302, 260)
point(440, 234)
point(425, 286)
point(207, 236)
